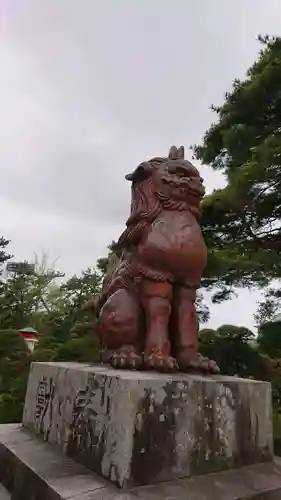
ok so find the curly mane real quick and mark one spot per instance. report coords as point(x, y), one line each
point(118, 276)
point(145, 207)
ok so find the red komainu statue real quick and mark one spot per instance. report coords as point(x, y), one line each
point(146, 312)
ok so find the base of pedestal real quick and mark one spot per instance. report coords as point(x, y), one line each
point(140, 428)
point(32, 469)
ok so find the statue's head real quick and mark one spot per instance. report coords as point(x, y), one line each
point(172, 181)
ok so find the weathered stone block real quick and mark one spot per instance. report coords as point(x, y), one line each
point(33, 469)
point(138, 428)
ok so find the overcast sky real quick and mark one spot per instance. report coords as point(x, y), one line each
point(89, 88)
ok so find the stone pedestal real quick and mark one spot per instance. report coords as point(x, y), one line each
point(140, 428)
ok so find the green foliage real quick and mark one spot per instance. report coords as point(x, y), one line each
point(269, 339)
point(202, 310)
point(4, 256)
point(58, 311)
point(14, 357)
point(269, 306)
point(76, 294)
point(26, 296)
point(102, 263)
point(230, 346)
point(241, 222)
point(82, 346)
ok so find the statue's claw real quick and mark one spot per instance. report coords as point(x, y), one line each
point(126, 358)
point(155, 359)
point(197, 362)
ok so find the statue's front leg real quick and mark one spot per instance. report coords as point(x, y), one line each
point(185, 333)
point(156, 300)
point(120, 331)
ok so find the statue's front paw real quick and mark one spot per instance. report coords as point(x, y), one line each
point(197, 363)
point(155, 359)
point(127, 358)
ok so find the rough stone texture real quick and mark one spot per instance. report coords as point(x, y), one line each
point(137, 428)
point(33, 470)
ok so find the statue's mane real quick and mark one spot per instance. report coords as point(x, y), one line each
point(144, 203)
point(145, 206)
point(118, 276)
point(147, 201)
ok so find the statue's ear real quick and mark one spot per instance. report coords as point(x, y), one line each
point(141, 172)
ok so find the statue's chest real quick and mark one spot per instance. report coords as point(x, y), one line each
point(173, 232)
point(174, 242)
point(174, 226)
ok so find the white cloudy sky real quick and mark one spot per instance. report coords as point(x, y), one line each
point(88, 88)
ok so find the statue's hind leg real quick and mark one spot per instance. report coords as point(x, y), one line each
point(185, 333)
point(120, 331)
point(156, 300)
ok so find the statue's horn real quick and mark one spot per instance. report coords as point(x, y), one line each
point(176, 153)
point(181, 153)
point(173, 153)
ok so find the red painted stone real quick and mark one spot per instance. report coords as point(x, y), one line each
point(146, 312)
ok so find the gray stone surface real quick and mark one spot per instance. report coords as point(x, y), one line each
point(4, 495)
point(138, 428)
point(34, 470)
